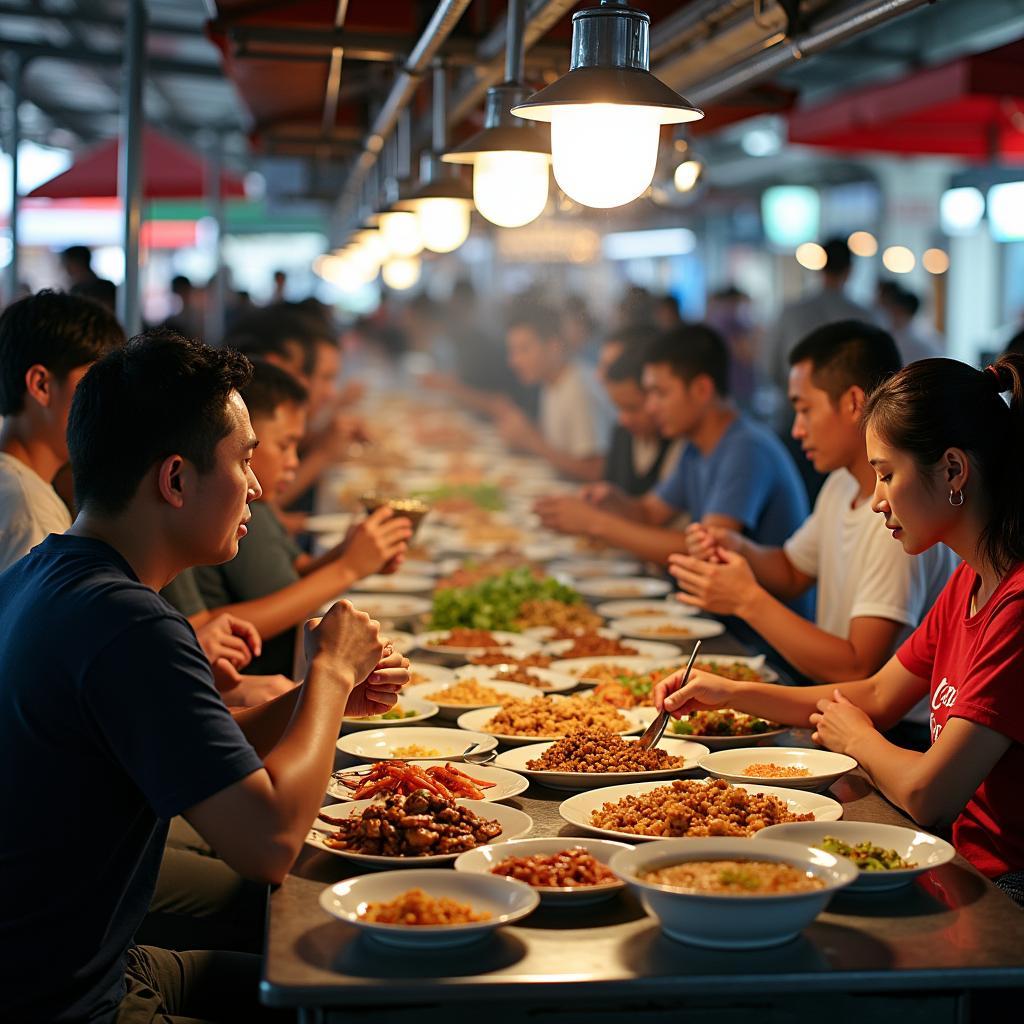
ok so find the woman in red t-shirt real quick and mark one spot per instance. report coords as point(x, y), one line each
point(948, 450)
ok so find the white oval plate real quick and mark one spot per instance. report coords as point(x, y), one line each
point(380, 744)
point(424, 709)
point(643, 648)
point(399, 583)
point(391, 606)
point(554, 682)
point(578, 667)
point(577, 809)
point(513, 642)
point(824, 766)
point(506, 784)
point(452, 711)
point(475, 720)
point(514, 824)
point(515, 760)
point(436, 675)
point(720, 742)
point(756, 662)
point(481, 860)
point(679, 628)
point(927, 851)
point(595, 568)
point(505, 899)
point(646, 609)
point(610, 587)
point(546, 633)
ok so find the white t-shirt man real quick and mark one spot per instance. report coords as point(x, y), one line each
point(568, 416)
point(861, 571)
point(30, 510)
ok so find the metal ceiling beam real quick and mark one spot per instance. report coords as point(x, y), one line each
point(96, 20)
point(110, 58)
point(443, 21)
point(541, 15)
point(821, 35)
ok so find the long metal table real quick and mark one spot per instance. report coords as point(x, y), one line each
point(913, 954)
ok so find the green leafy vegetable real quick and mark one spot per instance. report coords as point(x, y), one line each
point(485, 496)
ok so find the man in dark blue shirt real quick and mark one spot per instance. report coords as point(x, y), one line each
point(104, 688)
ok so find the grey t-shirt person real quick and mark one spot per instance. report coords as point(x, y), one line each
point(30, 510)
point(265, 564)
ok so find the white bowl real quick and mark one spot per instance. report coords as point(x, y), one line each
point(514, 823)
point(723, 742)
point(481, 860)
point(398, 583)
point(631, 587)
point(391, 607)
point(679, 628)
point(476, 720)
point(505, 899)
point(644, 649)
point(380, 745)
point(731, 921)
point(436, 675)
point(595, 568)
point(927, 851)
point(423, 709)
point(506, 784)
point(452, 711)
point(554, 682)
point(577, 809)
point(515, 760)
point(824, 766)
point(516, 644)
point(645, 609)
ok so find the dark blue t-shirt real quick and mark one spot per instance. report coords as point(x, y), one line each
point(110, 725)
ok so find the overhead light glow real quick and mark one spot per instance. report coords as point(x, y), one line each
point(444, 223)
point(510, 188)
point(760, 142)
point(604, 154)
point(687, 175)
point(811, 256)
point(935, 261)
point(961, 210)
point(637, 245)
point(898, 259)
point(401, 273)
point(400, 233)
point(862, 243)
point(791, 214)
point(1006, 211)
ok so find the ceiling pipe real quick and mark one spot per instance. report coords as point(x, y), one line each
point(440, 26)
point(332, 91)
point(541, 15)
point(820, 36)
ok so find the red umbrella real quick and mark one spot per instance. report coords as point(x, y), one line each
point(169, 171)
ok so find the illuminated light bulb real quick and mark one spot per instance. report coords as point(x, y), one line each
point(862, 243)
point(898, 259)
point(935, 261)
point(400, 233)
point(443, 223)
point(401, 272)
point(604, 154)
point(687, 175)
point(811, 256)
point(510, 188)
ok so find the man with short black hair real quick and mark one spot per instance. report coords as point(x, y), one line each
point(870, 593)
point(566, 433)
point(48, 341)
point(96, 669)
point(83, 281)
point(733, 472)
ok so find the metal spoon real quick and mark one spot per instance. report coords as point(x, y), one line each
point(480, 757)
point(657, 728)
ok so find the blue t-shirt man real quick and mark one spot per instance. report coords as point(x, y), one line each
point(748, 476)
point(110, 725)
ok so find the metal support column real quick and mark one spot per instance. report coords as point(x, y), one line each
point(217, 287)
point(129, 163)
point(17, 68)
